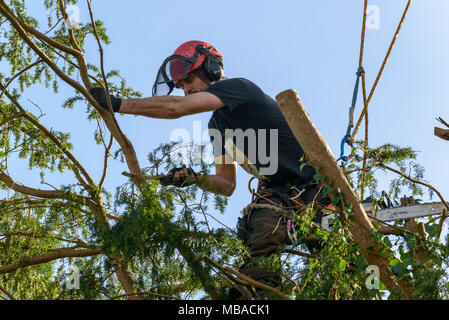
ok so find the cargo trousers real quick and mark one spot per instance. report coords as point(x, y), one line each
point(264, 231)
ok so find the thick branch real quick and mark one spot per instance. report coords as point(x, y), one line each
point(128, 150)
point(51, 136)
point(79, 56)
point(442, 133)
point(79, 243)
point(198, 268)
point(248, 280)
point(320, 156)
point(46, 194)
point(131, 158)
point(57, 254)
point(15, 22)
point(41, 36)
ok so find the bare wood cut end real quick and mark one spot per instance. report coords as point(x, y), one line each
point(442, 133)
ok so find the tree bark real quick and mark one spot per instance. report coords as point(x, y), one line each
point(442, 133)
point(320, 156)
point(56, 254)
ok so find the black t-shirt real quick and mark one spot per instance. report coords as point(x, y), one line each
point(252, 130)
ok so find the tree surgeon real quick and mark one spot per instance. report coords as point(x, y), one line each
point(245, 125)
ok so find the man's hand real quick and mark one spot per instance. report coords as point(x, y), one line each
point(99, 94)
point(179, 177)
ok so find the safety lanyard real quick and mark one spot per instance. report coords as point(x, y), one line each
point(347, 137)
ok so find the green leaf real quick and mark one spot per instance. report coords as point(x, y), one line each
point(397, 267)
point(383, 249)
point(432, 229)
point(342, 265)
point(318, 177)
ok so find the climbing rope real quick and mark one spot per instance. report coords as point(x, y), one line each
point(349, 138)
point(365, 109)
point(360, 74)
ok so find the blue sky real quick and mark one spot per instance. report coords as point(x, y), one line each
point(310, 46)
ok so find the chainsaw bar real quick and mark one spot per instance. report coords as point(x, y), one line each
point(393, 214)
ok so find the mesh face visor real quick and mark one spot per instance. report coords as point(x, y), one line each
point(172, 70)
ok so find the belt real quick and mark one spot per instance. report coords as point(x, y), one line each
point(293, 191)
point(288, 195)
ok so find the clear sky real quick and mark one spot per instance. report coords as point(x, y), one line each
point(310, 46)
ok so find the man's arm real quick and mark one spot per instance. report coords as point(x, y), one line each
point(171, 107)
point(223, 182)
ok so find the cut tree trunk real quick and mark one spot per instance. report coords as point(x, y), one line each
point(320, 156)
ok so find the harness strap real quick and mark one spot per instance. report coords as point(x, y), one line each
point(347, 138)
point(247, 210)
point(282, 192)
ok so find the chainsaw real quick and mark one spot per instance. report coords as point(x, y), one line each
point(392, 213)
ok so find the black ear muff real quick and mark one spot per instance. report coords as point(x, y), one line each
point(212, 65)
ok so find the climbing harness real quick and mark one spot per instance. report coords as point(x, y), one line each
point(282, 192)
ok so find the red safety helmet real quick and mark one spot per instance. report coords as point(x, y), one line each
point(186, 58)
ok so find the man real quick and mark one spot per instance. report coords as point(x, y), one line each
point(241, 111)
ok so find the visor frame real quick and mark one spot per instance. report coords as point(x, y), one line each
point(167, 79)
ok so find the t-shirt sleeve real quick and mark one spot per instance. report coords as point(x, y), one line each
point(234, 92)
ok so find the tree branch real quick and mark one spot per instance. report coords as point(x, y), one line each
point(248, 280)
point(46, 194)
point(41, 36)
point(56, 254)
point(381, 165)
point(80, 55)
point(442, 133)
point(79, 243)
point(20, 28)
point(127, 148)
point(160, 295)
point(17, 75)
point(320, 156)
point(7, 293)
point(51, 136)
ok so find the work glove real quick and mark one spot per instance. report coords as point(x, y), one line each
point(99, 94)
point(183, 179)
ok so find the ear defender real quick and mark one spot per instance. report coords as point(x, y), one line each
point(212, 65)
